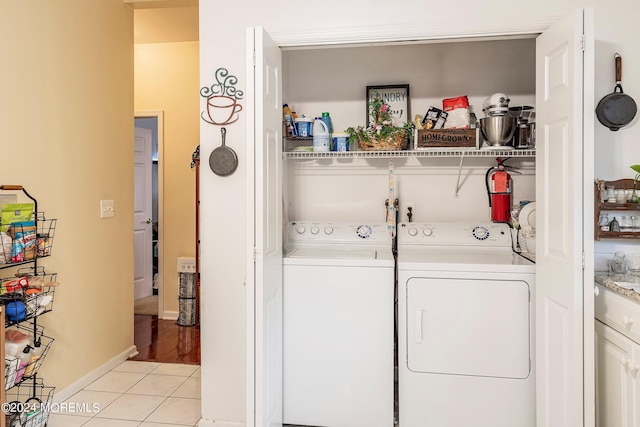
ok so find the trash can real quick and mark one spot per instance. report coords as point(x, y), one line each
point(187, 292)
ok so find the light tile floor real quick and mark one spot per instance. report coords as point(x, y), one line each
point(136, 394)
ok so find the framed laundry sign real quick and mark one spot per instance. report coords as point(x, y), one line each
point(396, 96)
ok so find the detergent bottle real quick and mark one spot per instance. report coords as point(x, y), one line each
point(321, 136)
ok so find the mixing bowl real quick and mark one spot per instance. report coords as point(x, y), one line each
point(498, 130)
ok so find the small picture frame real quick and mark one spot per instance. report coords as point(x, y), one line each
point(397, 96)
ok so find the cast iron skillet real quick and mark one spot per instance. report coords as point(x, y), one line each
point(616, 109)
point(223, 160)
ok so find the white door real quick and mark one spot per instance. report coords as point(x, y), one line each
point(142, 227)
point(264, 228)
point(563, 140)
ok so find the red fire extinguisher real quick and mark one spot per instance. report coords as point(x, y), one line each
point(499, 190)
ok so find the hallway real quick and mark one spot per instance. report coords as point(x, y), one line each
point(165, 341)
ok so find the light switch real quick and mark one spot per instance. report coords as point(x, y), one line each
point(107, 209)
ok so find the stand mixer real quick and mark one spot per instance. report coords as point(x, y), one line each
point(525, 134)
point(498, 126)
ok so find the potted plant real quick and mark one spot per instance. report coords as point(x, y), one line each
point(634, 194)
point(381, 133)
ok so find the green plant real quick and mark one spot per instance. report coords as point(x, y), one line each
point(381, 126)
point(636, 169)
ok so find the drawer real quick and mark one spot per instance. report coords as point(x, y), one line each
point(618, 312)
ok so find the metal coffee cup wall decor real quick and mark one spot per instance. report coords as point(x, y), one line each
point(222, 107)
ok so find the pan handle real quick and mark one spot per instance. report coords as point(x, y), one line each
point(618, 59)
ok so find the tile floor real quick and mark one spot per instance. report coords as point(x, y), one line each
point(136, 394)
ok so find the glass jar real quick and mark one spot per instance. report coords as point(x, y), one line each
point(629, 196)
point(621, 196)
point(635, 223)
point(604, 222)
point(610, 194)
point(625, 223)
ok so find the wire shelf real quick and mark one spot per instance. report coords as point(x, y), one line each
point(461, 152)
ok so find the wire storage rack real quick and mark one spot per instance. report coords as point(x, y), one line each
point(29, 406)
point(26, 291)
point(17, 370)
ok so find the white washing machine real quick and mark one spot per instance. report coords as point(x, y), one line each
point(465, 327)
point(338, 317)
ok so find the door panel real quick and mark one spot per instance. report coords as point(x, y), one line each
point(264, 178)
point(142, 226)
point(458, 327)
point(560, 180)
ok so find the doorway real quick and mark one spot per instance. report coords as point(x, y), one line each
point(151, 303)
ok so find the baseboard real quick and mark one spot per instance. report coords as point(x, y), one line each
point(213, 423)
point(73, 388)
point(169, 315)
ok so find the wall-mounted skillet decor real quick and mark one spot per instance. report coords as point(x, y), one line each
point(223, 160)
point(222, 99)
point(617, 109)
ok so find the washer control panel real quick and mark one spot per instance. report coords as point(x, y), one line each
point(454, 234)
point(337, 232)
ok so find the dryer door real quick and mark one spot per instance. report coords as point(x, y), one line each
point(468, 327)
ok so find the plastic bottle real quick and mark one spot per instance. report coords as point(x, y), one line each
point(327, 121)
point(321, 136)
point(289, 120)
point(35, 355)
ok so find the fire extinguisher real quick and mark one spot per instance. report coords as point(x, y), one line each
point(499, 190)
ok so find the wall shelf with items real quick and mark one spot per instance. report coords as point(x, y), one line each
point(615, 209)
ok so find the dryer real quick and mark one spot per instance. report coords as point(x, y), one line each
point(338, 325)
point(465, 327)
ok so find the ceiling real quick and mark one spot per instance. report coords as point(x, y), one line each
point(167, 21)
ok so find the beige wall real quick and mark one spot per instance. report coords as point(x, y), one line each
point(66, 132)
point(167, 79)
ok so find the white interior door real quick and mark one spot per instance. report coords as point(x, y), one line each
point(264, 189)
point(561, 143)
point(142, 226)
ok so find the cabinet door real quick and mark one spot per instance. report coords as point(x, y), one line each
point(614, 378)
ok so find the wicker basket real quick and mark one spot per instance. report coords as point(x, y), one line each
point(391, 143)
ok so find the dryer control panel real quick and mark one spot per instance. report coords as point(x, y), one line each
point(454, 234)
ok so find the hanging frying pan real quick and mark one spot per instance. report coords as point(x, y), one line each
point(223, 160)
point(617, 109)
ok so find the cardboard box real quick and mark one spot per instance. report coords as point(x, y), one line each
point(447, 138)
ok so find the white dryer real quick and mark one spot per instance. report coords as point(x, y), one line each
point(338, 333)
point(465, 327)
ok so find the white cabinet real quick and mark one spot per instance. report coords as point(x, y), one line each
point(617, 362)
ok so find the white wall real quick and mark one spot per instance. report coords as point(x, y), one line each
point(222, 42)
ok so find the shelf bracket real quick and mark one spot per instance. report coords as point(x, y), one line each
point(459, 174)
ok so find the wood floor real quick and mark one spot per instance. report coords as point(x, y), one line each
point(165, 341)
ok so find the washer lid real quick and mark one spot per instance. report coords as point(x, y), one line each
point(340, 256)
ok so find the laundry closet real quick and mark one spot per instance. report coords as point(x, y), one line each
point(349, 303)
point(440, 185)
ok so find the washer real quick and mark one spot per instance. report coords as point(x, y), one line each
point(465, 327)
point(338, 333)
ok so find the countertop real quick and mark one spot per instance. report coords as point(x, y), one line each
point(608, 281)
